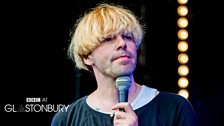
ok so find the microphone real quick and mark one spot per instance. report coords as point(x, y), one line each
point(123, 84)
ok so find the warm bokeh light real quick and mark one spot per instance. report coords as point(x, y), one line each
point(184, 93)
point(182, 10)
point(182, 46)
point(182, 1)
point(182, 34)
point(183, 58)
point(183, 82)
point(182, 22)
point(183, 70)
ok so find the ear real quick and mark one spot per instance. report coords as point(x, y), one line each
point(88, 60)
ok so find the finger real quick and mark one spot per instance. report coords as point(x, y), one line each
point(119, 118)
point(122, 118)
point(120, 105)
point(119, 115)
point(125, 105)
point(119, 122)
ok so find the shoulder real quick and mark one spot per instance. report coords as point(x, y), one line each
point(164, 97)
point(172, 98)
point(61, 117)
point(180, 107)
point(176, 103)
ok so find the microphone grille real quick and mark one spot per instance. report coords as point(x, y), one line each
point(123, 82)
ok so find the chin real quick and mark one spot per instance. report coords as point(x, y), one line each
point(124, 72)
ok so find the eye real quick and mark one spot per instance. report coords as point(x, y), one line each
point(108, 39)
point(128, 37)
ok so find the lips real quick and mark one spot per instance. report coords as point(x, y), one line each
point(121, 57)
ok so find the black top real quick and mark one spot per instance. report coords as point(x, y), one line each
point(166, 109)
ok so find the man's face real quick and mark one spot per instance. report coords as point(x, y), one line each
point(115, 56)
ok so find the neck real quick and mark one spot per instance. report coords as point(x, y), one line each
point(106, 88)
point(106, 94)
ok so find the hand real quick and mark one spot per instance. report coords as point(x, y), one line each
point(126, 118)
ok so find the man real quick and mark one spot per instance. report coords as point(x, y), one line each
point(105, 42)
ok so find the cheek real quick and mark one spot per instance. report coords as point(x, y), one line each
point(101, 58)
point(133, 49)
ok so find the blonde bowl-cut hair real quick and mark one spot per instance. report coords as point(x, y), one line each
point(96, 24)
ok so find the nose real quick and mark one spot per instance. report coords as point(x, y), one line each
point(121, 43)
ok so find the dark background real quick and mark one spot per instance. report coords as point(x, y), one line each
point(35, 37)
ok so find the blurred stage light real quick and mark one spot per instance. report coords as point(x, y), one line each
point(182, 46)
point(182, 22)
point(183, 70)
point(182, 34)
point(184, 93)
point(183, 82)
point(183, 58)
point(182, 10)
point(182, 1)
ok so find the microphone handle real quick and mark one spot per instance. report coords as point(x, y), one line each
point(123, 97)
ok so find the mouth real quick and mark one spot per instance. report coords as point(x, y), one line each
point(121, 57)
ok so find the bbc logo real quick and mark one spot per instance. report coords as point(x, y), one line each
point(32, 99)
